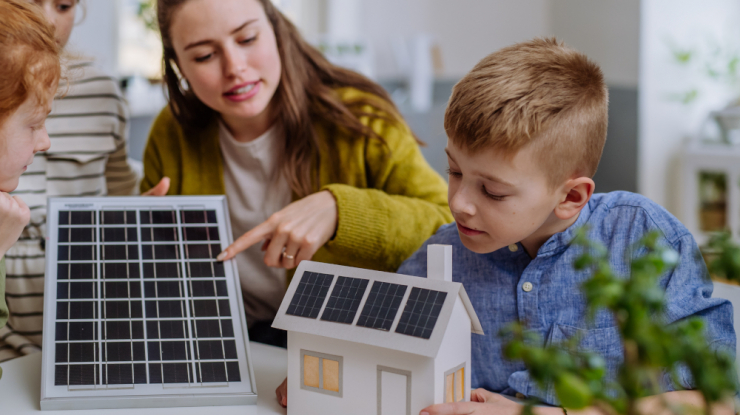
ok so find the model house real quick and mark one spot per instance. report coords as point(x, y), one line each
point(376, 343)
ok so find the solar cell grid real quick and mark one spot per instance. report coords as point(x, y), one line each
point(310, 295)
point(118, 217)
point(127, 313)
point(421, 312)
point(76, 235)
point(120, 270)
point(127, 234)
point(193, 233)
point(345, 300)
point(381, 305)
point(159, 234)
point(198, 216)
point(157, 217)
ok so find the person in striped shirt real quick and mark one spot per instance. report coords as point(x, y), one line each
point(87, 157)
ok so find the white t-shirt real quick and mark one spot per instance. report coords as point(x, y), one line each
point(255, 190)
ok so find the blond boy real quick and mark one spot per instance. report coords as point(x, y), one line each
point(526, 130)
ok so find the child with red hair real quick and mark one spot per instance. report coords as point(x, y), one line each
point(29, 62)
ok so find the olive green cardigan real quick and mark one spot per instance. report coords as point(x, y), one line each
point(389, 200)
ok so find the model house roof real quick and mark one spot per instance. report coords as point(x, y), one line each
point(393, 311)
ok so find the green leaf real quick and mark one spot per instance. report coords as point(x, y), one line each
point(572, 391)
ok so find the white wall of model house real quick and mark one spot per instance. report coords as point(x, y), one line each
point(361, 389)
point(360, 377)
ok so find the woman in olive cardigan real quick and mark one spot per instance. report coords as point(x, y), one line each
point(357, 190)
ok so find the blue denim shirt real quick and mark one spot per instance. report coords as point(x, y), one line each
point(554, 307)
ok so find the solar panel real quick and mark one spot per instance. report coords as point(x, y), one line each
point(345, 300)
point(421, 312)
point(136, 305)
point(381, 305)
point(310, 295)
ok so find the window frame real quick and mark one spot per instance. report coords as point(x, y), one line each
point(455, 376)
point(321, 357)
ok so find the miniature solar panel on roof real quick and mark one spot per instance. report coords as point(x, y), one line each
point(345, 300)
point(381, 305)
point(421, 312)
point(138, 302)
point(310, 295)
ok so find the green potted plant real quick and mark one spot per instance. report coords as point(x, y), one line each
point(650, 348)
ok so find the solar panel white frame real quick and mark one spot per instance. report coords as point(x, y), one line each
point(53, 397)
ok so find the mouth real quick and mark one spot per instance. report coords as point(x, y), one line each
point(468, 231)
point(242, 89)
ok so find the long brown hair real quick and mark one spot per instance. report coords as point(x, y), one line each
point(306, 93)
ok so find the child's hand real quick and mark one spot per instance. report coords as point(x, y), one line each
point(481, 402)
point(14, 216)
point(282, 393)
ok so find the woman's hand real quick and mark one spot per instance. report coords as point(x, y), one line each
point(282, 393)
point(14, 216)
point(160, 189)
point(293, 234)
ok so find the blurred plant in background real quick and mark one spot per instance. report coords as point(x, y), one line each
point(650, 347)
point(711, 60)
point(148, 14)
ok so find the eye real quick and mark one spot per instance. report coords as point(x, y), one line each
point(203, 58)
point(248, 40)
point(64, 7)
point(491, 196)
point(453, 173)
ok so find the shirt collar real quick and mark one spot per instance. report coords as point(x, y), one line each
point(561, 240)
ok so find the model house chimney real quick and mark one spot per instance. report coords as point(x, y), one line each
point(439, 262)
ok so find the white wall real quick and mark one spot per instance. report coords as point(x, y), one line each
point(608, 31)
point(665, 123)
point(467, 30)
point(97, 34)
point(359, 384)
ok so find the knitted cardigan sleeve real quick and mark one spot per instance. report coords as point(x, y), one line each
point(404, 204)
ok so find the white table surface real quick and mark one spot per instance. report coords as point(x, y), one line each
point(20, 388)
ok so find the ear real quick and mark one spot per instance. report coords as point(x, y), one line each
point(578, 192)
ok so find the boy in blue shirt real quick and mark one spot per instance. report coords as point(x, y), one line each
point(526, 130)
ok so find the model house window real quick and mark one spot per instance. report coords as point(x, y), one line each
point(321, 372)
point(455, 384)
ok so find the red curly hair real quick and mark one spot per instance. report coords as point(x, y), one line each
point(29, 57)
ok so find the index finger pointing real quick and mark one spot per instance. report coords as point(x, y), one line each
point(250, 238)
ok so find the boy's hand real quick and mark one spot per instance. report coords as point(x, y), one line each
point(282, 393)
point(14, 216)
point(481, 402)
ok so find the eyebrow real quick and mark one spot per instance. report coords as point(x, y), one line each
point(209, 41)
point(483, 175)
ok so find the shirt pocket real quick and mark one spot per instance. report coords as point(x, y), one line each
point(605, 342)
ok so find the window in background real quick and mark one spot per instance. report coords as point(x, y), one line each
point(140, 47)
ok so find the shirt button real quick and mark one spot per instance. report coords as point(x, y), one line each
point(527, 286)
point(513, 247)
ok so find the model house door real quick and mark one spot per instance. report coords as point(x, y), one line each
point(394, 391)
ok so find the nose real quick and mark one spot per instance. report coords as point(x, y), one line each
point(42, 142)
point(234, 62)
point(460, 201)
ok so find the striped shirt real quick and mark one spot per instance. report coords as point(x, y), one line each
point(88, 157)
